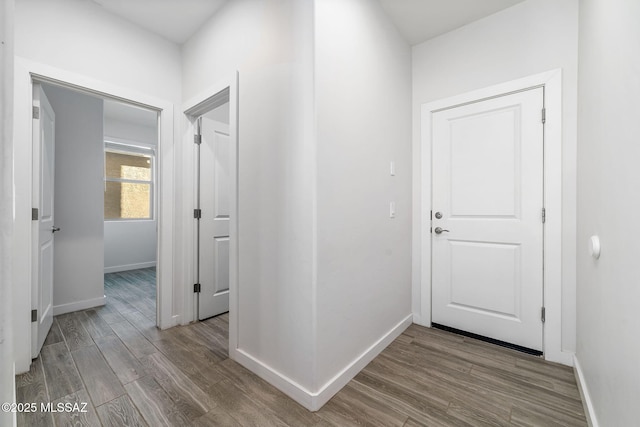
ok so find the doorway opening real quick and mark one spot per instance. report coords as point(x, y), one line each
point(95, 186)
point(212, 244)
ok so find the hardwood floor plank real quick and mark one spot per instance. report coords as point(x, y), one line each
point(351, 406)
point(216, 418)
point(146, 326)
point(94, 324)
point(60, 372)
point(154, 404)
point(242, 408)
point(120, 412)
point(74, 333)
point(527, 414)
point(134, 340)
point(55, 335)
point(201, 369)
point(125, 365)
point(31, 388)
point(101, 382)
point(77, 402)
point(192, 401)
point(278, 403)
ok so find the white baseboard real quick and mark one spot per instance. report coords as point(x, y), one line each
point(78, 305)
point(589, 410)
point(127, 267)
point(315, 400)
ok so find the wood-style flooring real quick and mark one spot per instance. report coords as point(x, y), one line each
point(132, 374)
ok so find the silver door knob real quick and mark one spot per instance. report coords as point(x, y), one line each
point(54, 229)
point(439, 230)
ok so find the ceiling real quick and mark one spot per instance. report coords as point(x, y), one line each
point(175, 20)
point(417, 20)
point(420, 20)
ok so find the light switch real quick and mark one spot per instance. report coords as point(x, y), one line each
point(392, 209)
point(392, 168)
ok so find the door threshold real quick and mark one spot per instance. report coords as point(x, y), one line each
point(489, 340)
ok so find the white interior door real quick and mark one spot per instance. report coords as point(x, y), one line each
point(487, 229)
point(43, 223)
point(215, 164)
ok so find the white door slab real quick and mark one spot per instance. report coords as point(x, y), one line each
point(215, 166)
point(487, 197)
point(44, 225)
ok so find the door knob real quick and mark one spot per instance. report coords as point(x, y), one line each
point(438, 215)
point(439, 230)
point(54, 229)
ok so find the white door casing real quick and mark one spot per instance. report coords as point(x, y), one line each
point(487, 172)
point(43, 226)
point(215, 168)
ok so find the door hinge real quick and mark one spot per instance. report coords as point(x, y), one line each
point(197, 287)
point(197, 213)
point(197, 139)
point(543, 314)
point(34, 315)
point(35, 112)
point(544, 215)
point(431, 215)
point(544, 115)
point(34, 214)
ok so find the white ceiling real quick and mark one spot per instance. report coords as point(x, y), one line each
point(175, 20)
point(417, 20)
point(420, 20)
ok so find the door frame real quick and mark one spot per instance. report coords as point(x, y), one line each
point(26, 73)
point(551, 81)
point(216, 95)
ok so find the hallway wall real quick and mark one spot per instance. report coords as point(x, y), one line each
point(269, 43)
point(608, 347)
point(7, 383)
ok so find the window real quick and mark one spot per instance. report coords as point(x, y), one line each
point(128, 191)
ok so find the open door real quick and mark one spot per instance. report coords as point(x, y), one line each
point(214, 165)
point(43, 219)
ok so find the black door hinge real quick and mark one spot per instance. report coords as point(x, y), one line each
point(34, 214)
point(197, 139)
point(34, 315)
point(196, 288)
point(543, 314)
point(197, 213)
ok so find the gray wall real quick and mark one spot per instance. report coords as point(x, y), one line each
point(7, 383)
point(608, 344)
point(363, 122)
point(78, 202)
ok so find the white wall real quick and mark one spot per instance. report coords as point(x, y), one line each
point(608, 347)
point(7, 382)
point(270, 44)
point(78, 201)
point(363, 119)
point(526, 39)
point(81, 39)
point(130, 244)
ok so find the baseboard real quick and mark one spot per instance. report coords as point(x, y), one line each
point(589, 410)
point(335, 384)
point(315, 400)
point(127, 267)
point(78, 305)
